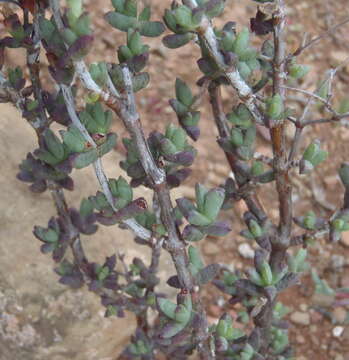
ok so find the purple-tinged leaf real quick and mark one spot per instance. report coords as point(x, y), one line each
point(175, 41)
point(261, 25)
point(38, 186)
point(287, 281)
point(185, 206)
point(218, 228)
point(75, 281)
point(66, 183)
point(176, 178)
point(207, 274)
point(173, 281)
point(192, 233)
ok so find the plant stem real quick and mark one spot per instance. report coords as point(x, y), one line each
point(245, 93)
point(278, 136)
point(252, 201)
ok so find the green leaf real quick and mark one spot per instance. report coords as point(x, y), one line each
point(195, 257)
point(175, 41)
point(140, 81)
point(344, 174)
point(108, 145)
point(182, 314)
point(118, 5)
point(213, 202)
point(51, 236)
point(74, 140)
point(120, 21)
point(298, 71)
point(82, 26)
point(85, 159)
point(200, 193)
point(275, 107)
point(255, 229)
point(135, 43)
point(183, 93)
point(255, 277)
point(69, 36)
point(46, 157)
point(75, 7)
point(236, 137)
point(266, 273)
point(55, 147)
point(321, 286)
point(47, 28)
point(241, 41)
point(172, 329)
point(130, 8)
point(170, 20)
point(183, 16)
point(195, 218)
point(145, 14)
point(152, 28)
point(244, 70)
point(103, 273)
point(167, 307)
point(257, 168)
point(86, 207)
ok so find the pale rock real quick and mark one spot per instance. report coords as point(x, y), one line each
point(337, 331)
point(210, 248)
point(303, 307)
point(340, 314)
point(300, 318)
point(246, 251)
point(345, 239)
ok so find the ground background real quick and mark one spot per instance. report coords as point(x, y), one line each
point(39, 319)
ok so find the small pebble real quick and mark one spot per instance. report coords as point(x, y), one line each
point(337, 331)
point(300, 318)
point(340, 314)
point(345, 239)
point(303, 307)
point(246, 251)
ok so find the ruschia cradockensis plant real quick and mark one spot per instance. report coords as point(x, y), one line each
point(261, 77)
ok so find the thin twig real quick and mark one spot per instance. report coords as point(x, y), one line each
point(314, 96)
point(319, 37)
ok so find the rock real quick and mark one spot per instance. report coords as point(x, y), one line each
point(300, 318)
point(331, 181)
point(303, 307)
point(300, 339)
point(313, 328)
point(322, 299)
point(315, 316)
point(40, 318)
point(246, 251)
point(337, 331)
point(337, 261)
point(345, 239)
point(340, 314)
point(210, 248)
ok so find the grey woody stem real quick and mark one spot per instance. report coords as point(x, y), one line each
point(277, 132)
point(85, 76)
point(245, 93)
point(157, 178)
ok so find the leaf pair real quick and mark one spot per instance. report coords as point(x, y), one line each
point(178, 315)
point(312, 157)
point(126, 17)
